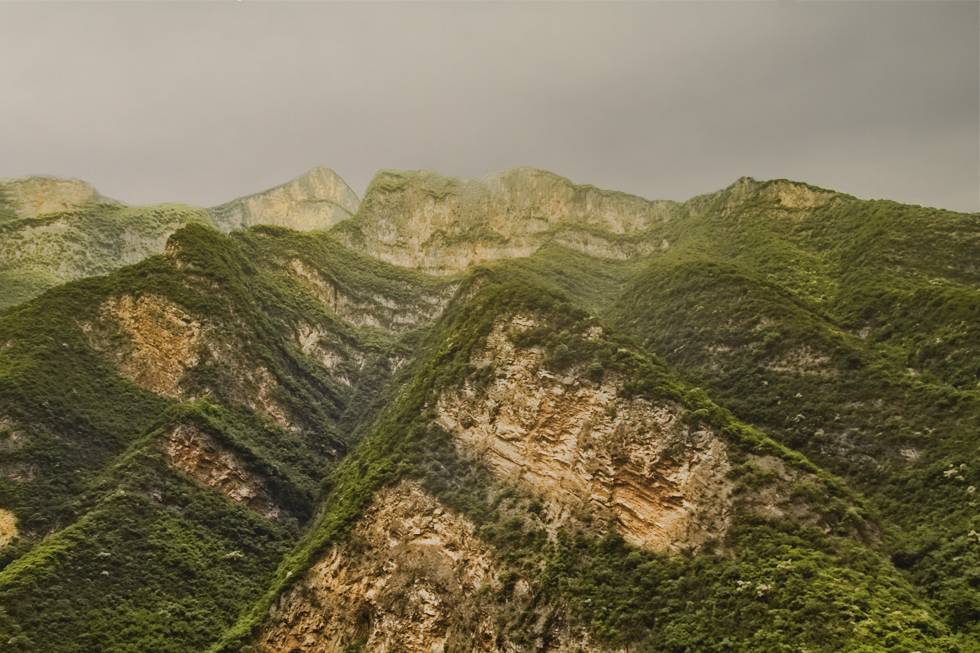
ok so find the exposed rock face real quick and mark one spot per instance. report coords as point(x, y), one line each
point(408, 581)
point(660, 478)
point(199, 455)
point(442, 225)
point(394, 308)
point(37, 195)
point(75, 232)
point(316, 200)
point(794, 195)
point(8, 527)
point(318, 344)
point(161, 342)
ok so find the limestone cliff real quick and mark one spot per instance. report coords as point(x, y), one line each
point(8, 527)
point(442, 225)
point(412, 578)
point(196, 453)
point(154, 342)
point(360, 307)
point(315, 200)
point(58, 230)
point(660, 478)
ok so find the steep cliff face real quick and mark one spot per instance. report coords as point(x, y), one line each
point(344, 309)
point(192, 451)
point(659, 478)
point(519, 477)
point(154, 342)
point(315, 200)
point(58, 230)
point(413, 578)
point(8, 527)
point(798, 196)
point(442, 225)
point(30, 196)
point(150, 340)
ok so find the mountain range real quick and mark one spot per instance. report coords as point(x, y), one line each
point(503, 414)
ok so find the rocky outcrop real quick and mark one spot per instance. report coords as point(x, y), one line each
point(8, 527)
point(412, 578)
point(442, 225)
point(796, 195)
point(13, 438)
point(659, 477)
point(32, 196)
point(74, 232)
point(162, 341)
point(192, 451)
point(316, 200)
point(153, 342)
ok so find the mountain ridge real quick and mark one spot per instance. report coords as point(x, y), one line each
point(56, 230)
point(578, 420)
point(317, 199)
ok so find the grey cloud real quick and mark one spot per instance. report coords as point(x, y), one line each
point(206, 102)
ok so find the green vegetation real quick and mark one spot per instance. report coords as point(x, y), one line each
point(83, 453)
point(837, 335)
point(845, 332)
point(67, 412)
point(589, 282)
point(40, 252)
point(7, 209)
point(386, 182)
point(156, 564)
point(850, 594)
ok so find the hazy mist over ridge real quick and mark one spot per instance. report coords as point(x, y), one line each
point(203, 103)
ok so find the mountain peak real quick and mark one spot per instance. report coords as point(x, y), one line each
point(796, 194)
point(30, 196)
point(316, 199)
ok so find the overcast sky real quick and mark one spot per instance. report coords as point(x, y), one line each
point(205, 102)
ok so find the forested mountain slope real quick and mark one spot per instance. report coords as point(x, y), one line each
point(575, 420)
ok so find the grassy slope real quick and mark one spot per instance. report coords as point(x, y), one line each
point(155, 563)
point(589, 282)
point(7, 209)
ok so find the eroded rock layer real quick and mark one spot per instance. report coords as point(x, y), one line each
point(163, 341)
point(661, 479)
point(154, 342)
point(32, 196)
point(208, 462)
point(442, 225)
point(412, 578)
point(371, 309)
point(8, 527)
